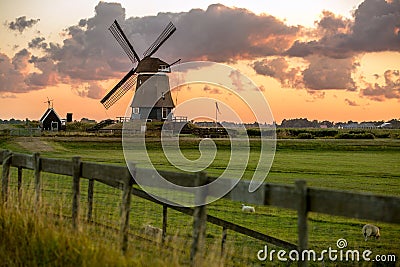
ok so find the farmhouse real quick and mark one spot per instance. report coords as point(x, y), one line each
point(50, 121)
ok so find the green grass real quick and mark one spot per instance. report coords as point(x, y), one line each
point(355, 165)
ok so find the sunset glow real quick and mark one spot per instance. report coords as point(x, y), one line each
point(338, 61)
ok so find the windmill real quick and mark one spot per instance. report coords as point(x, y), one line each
point(155, 101)
point(49, 103)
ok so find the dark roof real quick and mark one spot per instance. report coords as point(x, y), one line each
point(48, 111)
point(150, 64)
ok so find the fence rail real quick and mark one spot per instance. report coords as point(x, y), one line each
point(299, 197)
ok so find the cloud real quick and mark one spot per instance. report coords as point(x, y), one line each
point(11, 78)
point(278, 68)
point(375, 28)
point(390, 89)
point(315, 95)
point(351, 102)
point(226, 34)
point(321, 73)
point(47, 75)
point(7, 95)
point(89, 54)
point(91, 90)
point(21, 23)
point(211, 90)
point(329, 73)
point(38, 43)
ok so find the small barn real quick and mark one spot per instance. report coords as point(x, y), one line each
point(50, 121)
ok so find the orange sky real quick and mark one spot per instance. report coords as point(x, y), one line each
point(286, 101)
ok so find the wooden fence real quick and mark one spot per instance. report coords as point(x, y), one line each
point(299, 197)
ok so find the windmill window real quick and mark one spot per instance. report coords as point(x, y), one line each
point(136, 110)
point(164, 68)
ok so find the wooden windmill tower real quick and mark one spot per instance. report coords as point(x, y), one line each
point(155, 101)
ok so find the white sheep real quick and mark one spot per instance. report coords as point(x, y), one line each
point(369, 230)
point(249, 209)
point(153, 231)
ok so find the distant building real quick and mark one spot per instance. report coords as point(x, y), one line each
point(355, 125)
point(385, 125)
point(69, 117)
point(50, 121)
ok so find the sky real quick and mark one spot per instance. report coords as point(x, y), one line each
point(335, 60)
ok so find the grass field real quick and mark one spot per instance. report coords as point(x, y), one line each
point(355, 165)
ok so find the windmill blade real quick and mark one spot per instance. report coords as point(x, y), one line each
point(121, 38)
point(120, 89)
point(168, 31)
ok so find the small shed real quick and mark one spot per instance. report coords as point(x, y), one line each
point(50, 121)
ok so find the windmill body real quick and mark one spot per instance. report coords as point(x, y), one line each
point(152, 99)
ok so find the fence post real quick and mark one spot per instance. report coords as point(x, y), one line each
point(223, 240)
point(126, 206)
point(7, 156)
point(199, 219)
point(164, 223)
point(76, 175)
point(19, 184)
point(90, 199)
point(37, 169)
point(302, 212)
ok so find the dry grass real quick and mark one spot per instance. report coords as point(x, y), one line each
point(46, 238)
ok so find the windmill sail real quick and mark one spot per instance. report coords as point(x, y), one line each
point(120, 89)
point(119, 35)
point(145, 69)
point(168, 31)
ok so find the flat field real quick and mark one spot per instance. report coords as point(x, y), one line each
point(353, 165)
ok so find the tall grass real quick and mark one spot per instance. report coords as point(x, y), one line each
point(45, 237)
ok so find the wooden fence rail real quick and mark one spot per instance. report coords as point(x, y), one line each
point(299, 197)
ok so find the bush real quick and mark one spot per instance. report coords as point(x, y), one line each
point(382, 135)
point(325, 133)
point(355, 136)
point(305, 136)
point(251, 132)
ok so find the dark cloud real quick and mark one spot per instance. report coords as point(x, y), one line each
point(219, 34)
point(329, 73)
point(315, 95)
point(38, 43)
point(351, 102)
point(278, 68)
point(331, 24)
point(21, 23)
point(225, 34)
point(16, 77)
point(375, 28)
point(47, 76)
point(11, 78)
point(21, 60)
point(390, 89)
